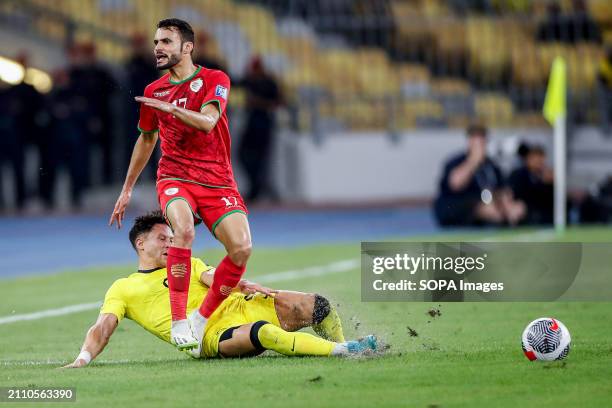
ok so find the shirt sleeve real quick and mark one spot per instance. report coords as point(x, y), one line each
point(198, 267)
point(217, 90)
point(147, 122)
point(449, 166)
point(114, 301)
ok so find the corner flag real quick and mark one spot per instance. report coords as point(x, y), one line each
point(555, 112)
point(555, 102)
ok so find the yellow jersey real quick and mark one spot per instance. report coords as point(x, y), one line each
point(143, 297)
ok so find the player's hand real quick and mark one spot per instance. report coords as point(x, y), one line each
point(156, 104)
point(250, 288)
point(78, 363)
point(120, 206)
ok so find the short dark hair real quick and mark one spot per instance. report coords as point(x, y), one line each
point(537, 149)
point(477, 129)
point(184, 29)
point(144, 224)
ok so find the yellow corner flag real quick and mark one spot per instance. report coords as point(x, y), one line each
point(554, 104)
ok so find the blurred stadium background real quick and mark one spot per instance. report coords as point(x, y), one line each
point(373, 97)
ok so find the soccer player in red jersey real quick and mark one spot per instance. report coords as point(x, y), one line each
point(187, 109)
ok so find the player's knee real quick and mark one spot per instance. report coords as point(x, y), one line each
point(259, 328)
point(240, 253)
point(184, 234)
point(321, 309)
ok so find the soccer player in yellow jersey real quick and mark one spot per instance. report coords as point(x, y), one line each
point(252, 319)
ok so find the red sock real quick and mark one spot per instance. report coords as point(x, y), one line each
point(227, 276)
point(179, 273)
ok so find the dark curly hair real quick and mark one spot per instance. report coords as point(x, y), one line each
point(144, 224)
point(184, 29)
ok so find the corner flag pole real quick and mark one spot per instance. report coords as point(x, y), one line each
point(555, 112)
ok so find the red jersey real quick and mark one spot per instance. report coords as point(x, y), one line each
point(187, 153)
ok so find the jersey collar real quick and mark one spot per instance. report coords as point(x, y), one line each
point(149, 270)
point(199, 67)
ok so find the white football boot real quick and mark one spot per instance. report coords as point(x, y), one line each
point(197, 322)
point(181, 335)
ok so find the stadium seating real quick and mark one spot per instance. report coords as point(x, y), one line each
point(447, 67)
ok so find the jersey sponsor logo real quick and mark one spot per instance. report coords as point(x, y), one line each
point(221, 91)
point(196, 84)
point(178, 270)
point(160, 94)
point(165, 282)
point(225, 290)
point(171, 191)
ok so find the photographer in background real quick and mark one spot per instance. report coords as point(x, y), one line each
point(532, 183)
point(472, 190)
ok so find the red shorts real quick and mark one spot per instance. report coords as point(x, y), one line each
point(208, 204)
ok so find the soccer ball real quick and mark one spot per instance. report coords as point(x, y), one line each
point(546, 339)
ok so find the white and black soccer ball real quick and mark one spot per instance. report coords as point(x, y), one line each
point(546, 339)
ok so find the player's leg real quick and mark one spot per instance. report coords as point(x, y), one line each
point(179, 215)
point(253, 338)
point(233, 231)
point(296, 310)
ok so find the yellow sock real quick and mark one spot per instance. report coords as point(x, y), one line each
point(330, 327)
point(293, 344)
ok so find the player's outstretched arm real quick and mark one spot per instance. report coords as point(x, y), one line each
point(96, 339)
point(244, 286)
point(204, 120)
point(140, 156)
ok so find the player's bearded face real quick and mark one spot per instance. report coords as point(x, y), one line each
point(167, 61)
point(168, 48)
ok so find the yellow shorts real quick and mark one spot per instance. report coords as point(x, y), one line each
point(237, 310)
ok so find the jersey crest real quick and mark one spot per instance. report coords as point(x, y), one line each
point(196, 84)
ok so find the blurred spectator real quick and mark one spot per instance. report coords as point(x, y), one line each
point(472, 189)
point(552, 28)
point(521, 153)
point(203, 55)
point(23, 107)
point(596, 207)
point(262, 98)
point(32, 120)
point(532, 183)
point(11, 147)
point(570, 28)
point(380, 30)
point(463, 7)
point(95, 86)
point(66, 145)
point(515, 6)
point(140, 71)
point(582, 25)
point(605, 89)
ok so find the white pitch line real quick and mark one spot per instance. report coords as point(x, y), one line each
point(25, 363)
point(50, 312)
point(335, 267)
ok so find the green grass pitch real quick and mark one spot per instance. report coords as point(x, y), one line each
point(470, 355)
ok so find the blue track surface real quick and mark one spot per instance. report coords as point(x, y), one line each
point(47, 245)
